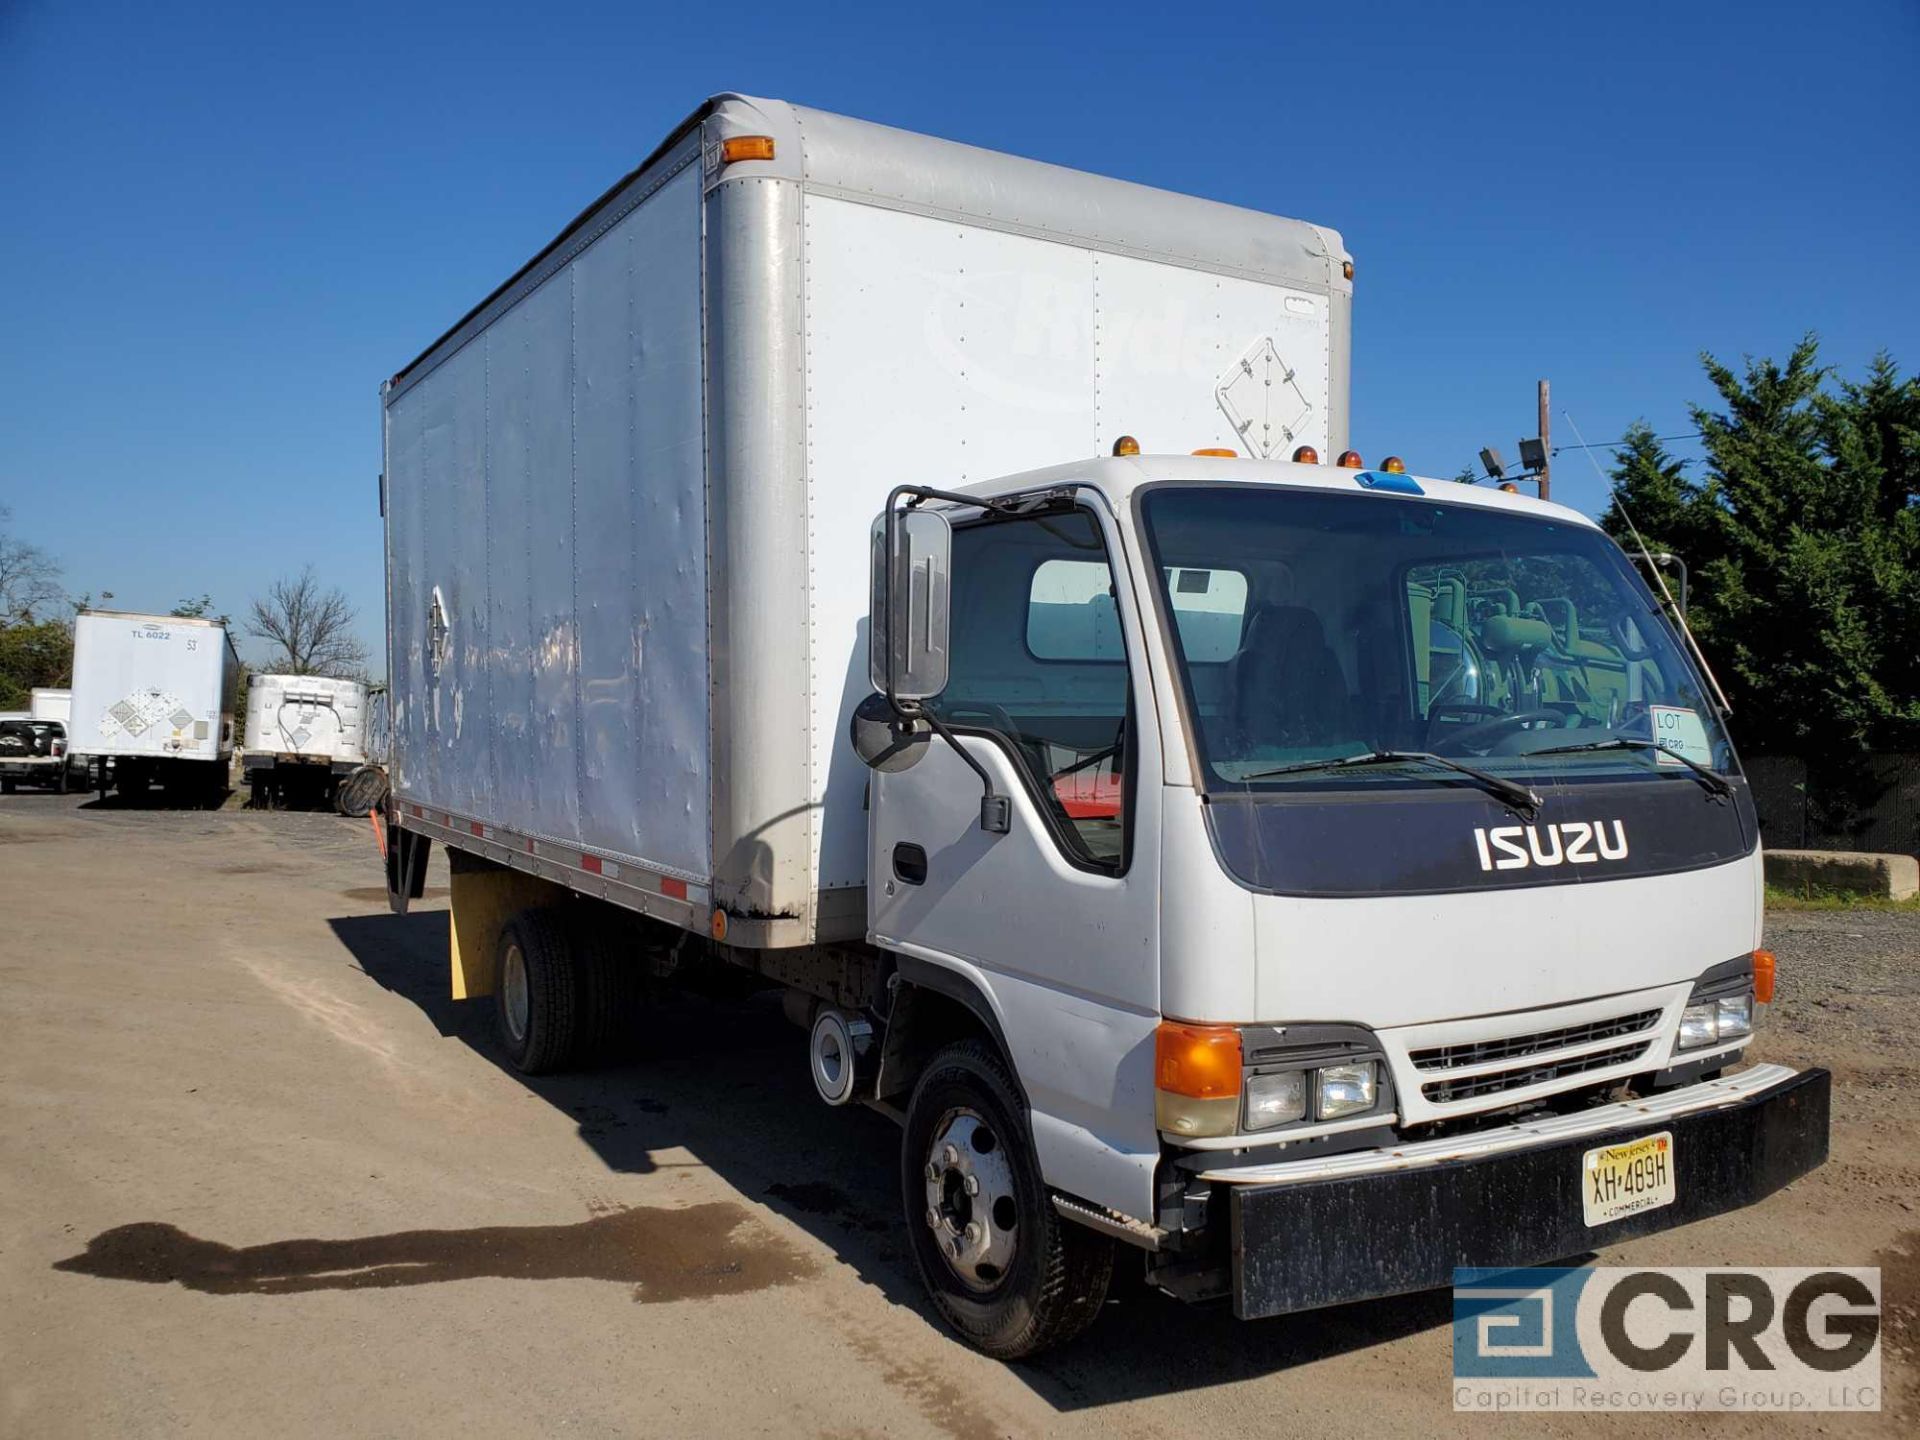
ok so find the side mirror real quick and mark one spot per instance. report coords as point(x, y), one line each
point(907, 621)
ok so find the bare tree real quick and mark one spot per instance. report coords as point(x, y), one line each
point(311, 629)
point(29, 576)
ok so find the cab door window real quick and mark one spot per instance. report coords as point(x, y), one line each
point(1038, 661)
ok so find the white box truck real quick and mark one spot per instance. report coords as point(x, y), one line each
point(1301, 878)
point(153, 702)
point(51, 704)
point(304, 735)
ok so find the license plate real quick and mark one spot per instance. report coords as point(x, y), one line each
point(1621, 1180)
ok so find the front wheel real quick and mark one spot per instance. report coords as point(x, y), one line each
point(1003, 1268)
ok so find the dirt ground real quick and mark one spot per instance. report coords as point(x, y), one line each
point(258, 1175)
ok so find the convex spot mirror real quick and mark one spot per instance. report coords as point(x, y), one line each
point(907, 626)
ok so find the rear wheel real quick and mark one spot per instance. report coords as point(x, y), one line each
point(536, 992)
point(1003, 1268)
point(7, 787)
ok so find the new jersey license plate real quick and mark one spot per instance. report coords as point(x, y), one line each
point(1621, 1180)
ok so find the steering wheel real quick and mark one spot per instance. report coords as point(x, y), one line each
point(1490, 729)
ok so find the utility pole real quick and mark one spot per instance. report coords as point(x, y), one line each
point(1546, 444)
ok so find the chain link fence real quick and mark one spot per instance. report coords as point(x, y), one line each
point(1804, 808)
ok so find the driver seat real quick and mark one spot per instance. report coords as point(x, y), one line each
point(1287, 687)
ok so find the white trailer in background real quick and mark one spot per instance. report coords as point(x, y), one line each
point(49, 704)
point(304, 735)
point(1227, 861)
point(153, 702)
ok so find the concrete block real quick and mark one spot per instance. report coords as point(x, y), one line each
point(1846, 872)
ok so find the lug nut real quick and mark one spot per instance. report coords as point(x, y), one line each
point(933, 1172)
point(950, 1155)
point(970, 1185)
point(933, 1218)
point(972, 1232)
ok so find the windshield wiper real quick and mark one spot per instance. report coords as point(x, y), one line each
point(1712, 779)
point(1512, 792)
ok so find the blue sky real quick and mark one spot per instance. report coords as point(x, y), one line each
point(222, 225)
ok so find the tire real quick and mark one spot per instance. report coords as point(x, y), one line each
point(1055, 1274)
point(536, 992)
point(60, 785)
point(362, 792)
point(611, 980)
point(7, 787)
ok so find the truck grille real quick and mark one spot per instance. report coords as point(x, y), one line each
point(1442, 1092)
point(1513, 1047)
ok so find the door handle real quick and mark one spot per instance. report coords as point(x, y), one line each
point(910, 863)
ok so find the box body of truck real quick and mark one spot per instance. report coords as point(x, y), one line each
point(51, 704)
point(154, 695)
point(624, 497)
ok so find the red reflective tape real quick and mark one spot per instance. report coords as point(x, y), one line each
point(418, 813)
point(590, 864)
point(477, 828)
point(529, 847)
point(673, 889)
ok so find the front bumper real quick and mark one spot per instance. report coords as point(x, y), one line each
point(1391, 1222)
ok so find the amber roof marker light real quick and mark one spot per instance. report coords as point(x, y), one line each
point(1126, 445)
point(746, 147)
point(1306, 455)
point(1394, 465)
point(1350, 460)
point(1219, 454)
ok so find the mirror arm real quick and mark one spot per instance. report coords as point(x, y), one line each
point(996, 810)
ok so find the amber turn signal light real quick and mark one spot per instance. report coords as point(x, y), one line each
point(1201, 1061)
point(1126, 445)
point(1306, 455)
point(1220, 454)
point(1764, 969)
point(1350, 460)
point(746, 147)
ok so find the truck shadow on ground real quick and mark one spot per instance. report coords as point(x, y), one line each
point(726, 1082)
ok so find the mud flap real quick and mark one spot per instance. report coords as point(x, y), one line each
point(484, 897)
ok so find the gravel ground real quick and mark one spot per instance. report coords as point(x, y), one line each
point(258, 1175)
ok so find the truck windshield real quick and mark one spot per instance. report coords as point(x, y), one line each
point(1315, 626)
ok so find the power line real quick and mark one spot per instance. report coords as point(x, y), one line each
point(1622, 443)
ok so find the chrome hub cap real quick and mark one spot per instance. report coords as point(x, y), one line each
point(971, 1207)
point(513, 992)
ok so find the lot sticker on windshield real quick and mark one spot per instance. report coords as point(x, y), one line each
point(1682, 731)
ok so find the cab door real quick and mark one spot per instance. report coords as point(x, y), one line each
point(1055, 921)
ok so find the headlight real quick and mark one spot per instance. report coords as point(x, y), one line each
point(1736, 1016)
point(1343, 1090)
point(1699, 1024)
point(1713, 1022)
point(1276, 1099)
